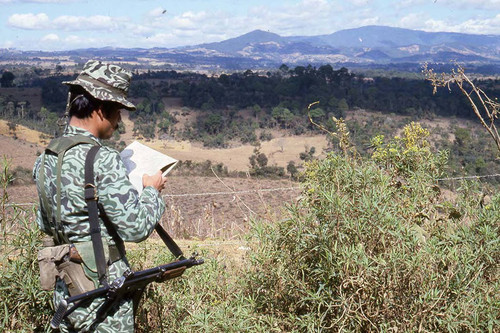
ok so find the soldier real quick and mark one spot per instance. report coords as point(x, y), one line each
point(96, 97)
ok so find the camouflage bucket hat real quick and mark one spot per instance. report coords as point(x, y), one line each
point(106, 82)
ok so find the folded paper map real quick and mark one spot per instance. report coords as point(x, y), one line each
point(140, 159)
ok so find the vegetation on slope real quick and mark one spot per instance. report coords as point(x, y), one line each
point(373, 245)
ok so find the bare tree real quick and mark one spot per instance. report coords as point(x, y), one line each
point(485, 108)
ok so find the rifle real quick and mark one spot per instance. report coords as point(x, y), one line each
point(129, 284)
point(125, 286)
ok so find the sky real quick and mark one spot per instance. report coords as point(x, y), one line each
point(52, 25)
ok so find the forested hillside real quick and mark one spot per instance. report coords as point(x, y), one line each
point(245, 106)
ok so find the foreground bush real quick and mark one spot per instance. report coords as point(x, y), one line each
point(24, 307)
point(207, 298)
point(374, 246)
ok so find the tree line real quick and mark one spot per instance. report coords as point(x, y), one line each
point(277, 98)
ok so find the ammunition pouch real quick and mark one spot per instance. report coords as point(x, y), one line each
point(75, 278)
point(48, 259)
point(74, 264)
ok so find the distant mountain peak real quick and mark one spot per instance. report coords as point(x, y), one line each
point(365, 46)
point(261, 34)
point(256, 36)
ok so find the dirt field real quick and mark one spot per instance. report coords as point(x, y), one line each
point(23, 150)
point(198, 207)
point(279, 150)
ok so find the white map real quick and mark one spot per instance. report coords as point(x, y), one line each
point(140, 159)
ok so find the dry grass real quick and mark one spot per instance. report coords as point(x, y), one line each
point(280, 150)
point(23, 150)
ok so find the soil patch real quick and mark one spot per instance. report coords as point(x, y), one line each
point(206, 207)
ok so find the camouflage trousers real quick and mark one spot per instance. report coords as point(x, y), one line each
point(120, 320)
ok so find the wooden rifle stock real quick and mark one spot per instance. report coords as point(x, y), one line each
point(124, 286)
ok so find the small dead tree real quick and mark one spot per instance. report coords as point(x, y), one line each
point(485, 108)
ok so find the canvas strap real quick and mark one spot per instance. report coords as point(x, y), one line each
point(169, 242)
point(91, 198)
point(58, 147)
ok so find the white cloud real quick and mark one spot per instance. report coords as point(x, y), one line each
point(155, 27)
point(413, 21)
point(66, 22)
point(412, 3)
point(159, 11)
point(191, 21)
point(80, 41)
point(360, 22)
point(140, 30)
point(29, 21)
point(360, 3)
point(313, 16)
point(96, 22)
point(35, 1)
point(422, 21)
point(50, 38)
point(472, 26)
point(490, 5)
point(8, 44)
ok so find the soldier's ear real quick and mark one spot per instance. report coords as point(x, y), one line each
point(99, 113)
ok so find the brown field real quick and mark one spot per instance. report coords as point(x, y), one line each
point(23, 150)
point(201, 207)
point(280, 150)
point(198, 207)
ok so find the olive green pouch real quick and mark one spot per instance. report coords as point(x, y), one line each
point(76, 280)
point(86, 251)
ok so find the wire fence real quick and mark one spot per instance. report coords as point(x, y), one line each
point(470, 177)
point(264, 190)
point(202, 194)
point(210, 215)
point(231, 192)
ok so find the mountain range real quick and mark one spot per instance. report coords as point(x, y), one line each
point(365, 46)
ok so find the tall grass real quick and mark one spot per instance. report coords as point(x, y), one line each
point(24, 307)
point(207, 298)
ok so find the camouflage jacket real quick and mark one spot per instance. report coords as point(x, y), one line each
point(133, 216)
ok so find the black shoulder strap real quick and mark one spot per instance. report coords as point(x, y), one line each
point(113, 233)
point(95, 230)
point(169, 242)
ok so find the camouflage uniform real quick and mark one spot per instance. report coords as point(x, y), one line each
point(134, 218)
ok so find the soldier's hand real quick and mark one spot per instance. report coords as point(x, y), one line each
point(157, 181)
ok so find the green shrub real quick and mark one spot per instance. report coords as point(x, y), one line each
point(206, 298)
point(24, 307)
point(374, 246)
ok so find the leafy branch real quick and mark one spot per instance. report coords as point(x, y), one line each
point(342, 133)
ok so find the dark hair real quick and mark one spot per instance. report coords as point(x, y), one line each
point(82, 104)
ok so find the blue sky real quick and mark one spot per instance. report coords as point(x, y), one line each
point(70, 24)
